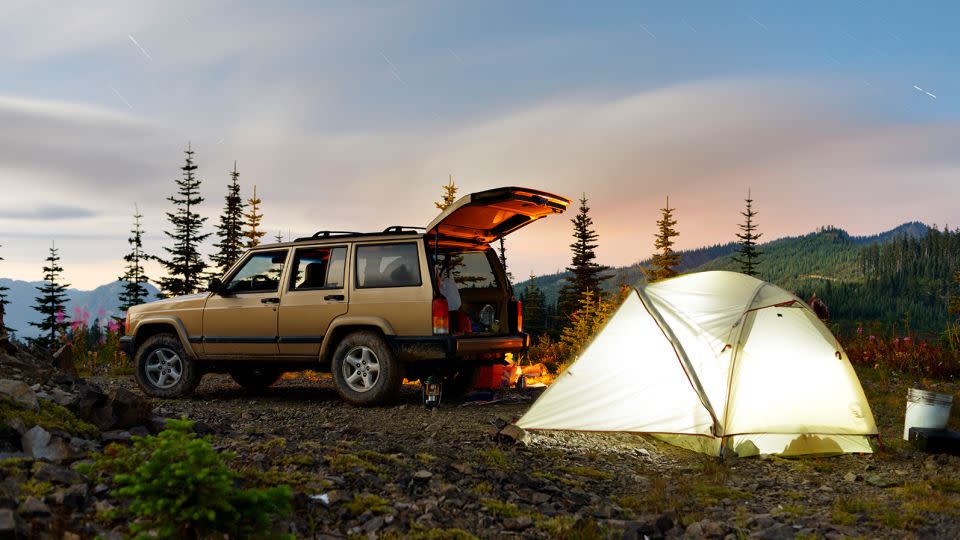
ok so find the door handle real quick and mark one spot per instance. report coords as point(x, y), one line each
point(338, 297)
point(270, 300)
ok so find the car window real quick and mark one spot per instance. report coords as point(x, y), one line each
point(388, 265)
point(319, 268)
point(261, 273)
point(470, 270)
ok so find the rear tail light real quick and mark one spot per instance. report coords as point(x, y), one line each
point(441, 316)
point(519, 316)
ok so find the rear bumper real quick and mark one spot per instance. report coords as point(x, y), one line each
point(420, 348)
point(126, 345)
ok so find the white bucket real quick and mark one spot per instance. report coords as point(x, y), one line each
point(926, 410)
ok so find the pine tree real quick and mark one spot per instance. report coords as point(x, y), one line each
point(51, 304)
point(591, 314)
point(134, 293)
point(749, 255)
point(665, 261)
point(4, 302)
point(230, 229)
point(253, 234)
point(449, 195)
point(534, 320)
point(185, 267)
point(587, 274)
point(278, 237)
point(503, 260)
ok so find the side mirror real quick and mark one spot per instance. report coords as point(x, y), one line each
point(215, 285)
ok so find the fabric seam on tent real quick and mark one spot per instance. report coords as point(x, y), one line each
point(681, 355)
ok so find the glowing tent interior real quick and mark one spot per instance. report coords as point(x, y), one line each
point(716, 362)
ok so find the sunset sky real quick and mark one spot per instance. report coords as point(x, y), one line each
point(352, 115)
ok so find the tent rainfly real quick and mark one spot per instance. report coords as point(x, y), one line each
point(717, 362)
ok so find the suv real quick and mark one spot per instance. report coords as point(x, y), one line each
point(366, 307)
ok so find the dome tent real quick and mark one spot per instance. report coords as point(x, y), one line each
point(715, 362)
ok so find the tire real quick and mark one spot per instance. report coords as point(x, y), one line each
point(163, 368)
point(365, 370)
point(460, 382)
point(256, 380)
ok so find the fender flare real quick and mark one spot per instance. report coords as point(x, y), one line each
point(341, 323)
point(178, 327)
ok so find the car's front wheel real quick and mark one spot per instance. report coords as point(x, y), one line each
point(365, 370)
point(163, 368)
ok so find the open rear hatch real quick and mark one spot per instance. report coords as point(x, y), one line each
point(482, 217)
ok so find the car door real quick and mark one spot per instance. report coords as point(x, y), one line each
point(241, 319)
point(482, 217)
point(314, 295)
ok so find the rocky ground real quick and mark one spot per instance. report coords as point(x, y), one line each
point(403, 471)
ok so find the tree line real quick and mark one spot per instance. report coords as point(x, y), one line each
point(187, 270)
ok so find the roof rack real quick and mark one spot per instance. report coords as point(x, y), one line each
point(393, 229)
point(403, 228)
point(327, 234)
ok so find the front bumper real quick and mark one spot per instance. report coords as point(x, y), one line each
point(419, 348)
point(126, 345)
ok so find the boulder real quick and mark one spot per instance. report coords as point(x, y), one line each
point(19, 393)
point(89, 398)
point(57, 474)
point(122, 409)
point(34, 508)
point(8, 524)
point(40, 444)
point(63, 360)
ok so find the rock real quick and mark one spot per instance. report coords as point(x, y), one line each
point(780, 531)
point(539, 498)
point(73, 497)
point(9, 494)
point(115, 435)
point(123, 409)
point(513, 433)
point(373, 525)
point(422, 474)
point(56, 474)
point(8, 524)
point(34, 508)
point(89, 398)
point(83, 446)
point(880, 481)
point(851, 477)
point(694, 530)
point(19, 393)
point(139, 431)
point(64, 399)
point(761, 521)
point(664, 523)
point(16, 424)
point(40, 444)
point(156, 424)
point(103, 506)
point(518, 523)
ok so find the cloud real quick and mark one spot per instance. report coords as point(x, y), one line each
point(47, 212)
point(810, 158)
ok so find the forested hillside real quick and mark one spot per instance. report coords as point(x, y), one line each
point(900, 277)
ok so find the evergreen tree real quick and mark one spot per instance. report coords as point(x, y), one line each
point(230, 229)
point(749, 255)
point(587, 274)
point(253, 234)
point(134, 293)
point(185, 267)
point(534, 313)
point(503, 260)
point(50, 304)
point(4, 302)
point(665, 261)
point(449, 195)
point(591, 313)
point(279, 237)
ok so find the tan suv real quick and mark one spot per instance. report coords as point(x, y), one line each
point(371, 308)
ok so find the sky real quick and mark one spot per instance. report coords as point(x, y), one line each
point(352, 116)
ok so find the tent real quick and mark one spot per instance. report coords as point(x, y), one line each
point(717, 362)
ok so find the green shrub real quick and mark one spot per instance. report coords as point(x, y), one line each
point(180, 487)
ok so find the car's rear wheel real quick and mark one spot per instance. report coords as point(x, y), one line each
point(163, 368)
point(365, 370)
point(255, 380)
